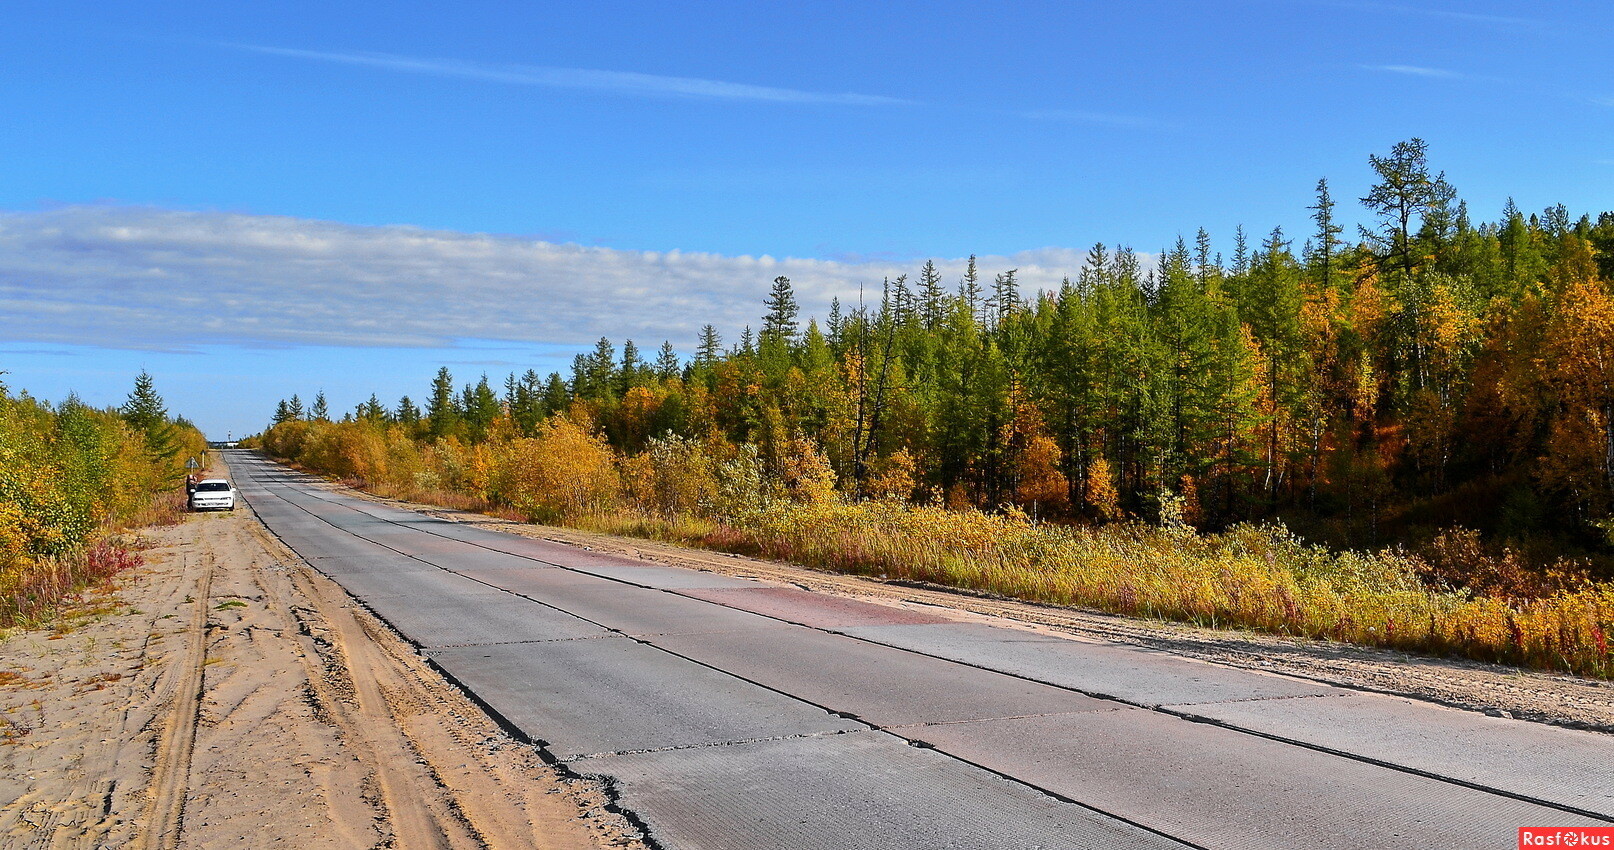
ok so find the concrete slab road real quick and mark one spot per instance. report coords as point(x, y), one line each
point(730, 713)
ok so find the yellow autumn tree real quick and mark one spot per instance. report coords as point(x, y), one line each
point(1579, 365)
point(565, 471)
point(805, 474)
point(893, 476)
point(1102, 499)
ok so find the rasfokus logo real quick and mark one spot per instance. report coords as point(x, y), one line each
point(1566, 836)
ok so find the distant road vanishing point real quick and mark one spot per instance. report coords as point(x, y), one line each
point(731, 713)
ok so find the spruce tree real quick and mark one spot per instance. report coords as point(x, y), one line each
point(145, 409)
point(932, 300)
point(556, 398)
point(601, 370)
point(1202, 257)
point(709, 348)
point(479, 406)
point(408, 414)
point(632, 366)
point(667, 362)
point(146, 412)
point(442, 412)
point(969, 290)
point(371, 410)
point(780, 323)
point(1005, 296)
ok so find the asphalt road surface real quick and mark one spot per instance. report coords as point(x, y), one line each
point(729, 713)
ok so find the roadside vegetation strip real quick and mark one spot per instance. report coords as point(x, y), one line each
point(1253, 577)
point(1259, 577)
point(72, 478)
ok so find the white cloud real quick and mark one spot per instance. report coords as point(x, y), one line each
point(139, 277)
point(579, 79)
point(1416, 71)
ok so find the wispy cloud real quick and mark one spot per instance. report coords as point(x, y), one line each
point(144, 278)
point(627, 83)
point(1098, 119)
point(1500, 21)
point(1416, 71)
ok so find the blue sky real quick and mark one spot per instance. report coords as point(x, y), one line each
point(252, 200)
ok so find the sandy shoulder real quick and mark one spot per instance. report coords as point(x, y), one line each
point(226, 695)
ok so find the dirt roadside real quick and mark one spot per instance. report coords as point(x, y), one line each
point(1552, 698)
point(225, 695)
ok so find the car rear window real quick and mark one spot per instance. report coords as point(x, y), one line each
point(212, 487)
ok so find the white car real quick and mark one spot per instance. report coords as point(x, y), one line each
point(213, 494)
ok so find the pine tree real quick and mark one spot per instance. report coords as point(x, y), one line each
point(1271, 306)
point(295, 407)
point(1405, 193)
point(1095, 273)
point(902, 300)
point(320, 411)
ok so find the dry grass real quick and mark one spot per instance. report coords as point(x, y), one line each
point(1254, 577)
point(33, 592)
point(451, 499)
point(165, 508)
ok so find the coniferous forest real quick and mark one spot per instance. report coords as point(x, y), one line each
point(1435, 388)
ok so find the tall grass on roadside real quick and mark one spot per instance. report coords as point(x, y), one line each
point(31, 593)
point(1254, 577)
point(1257, 577)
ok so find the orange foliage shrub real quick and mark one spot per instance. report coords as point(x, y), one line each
point(563, 472)
point(356, 450)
